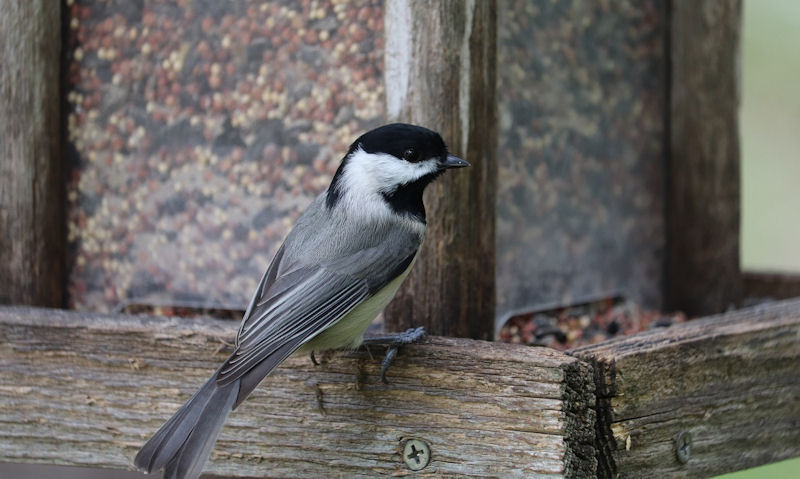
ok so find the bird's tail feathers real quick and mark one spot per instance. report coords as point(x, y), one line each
point(184, 442)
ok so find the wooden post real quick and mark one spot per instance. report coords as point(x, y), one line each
point(440, 73)
point(701, 398)
point(32, 218)
point(89, 389)
point(703, 191)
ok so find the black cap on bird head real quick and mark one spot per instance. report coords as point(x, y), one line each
point(421, 149)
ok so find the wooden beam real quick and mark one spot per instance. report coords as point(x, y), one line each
point(759, 285)
point(89, 389)
point(730, 382)
point(32, 216)
point(703, 186)
point(440, 73)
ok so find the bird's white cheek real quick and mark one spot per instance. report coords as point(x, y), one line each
point(380, 171)
point(399, 172)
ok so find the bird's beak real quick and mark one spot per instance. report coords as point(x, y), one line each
point(454, 162)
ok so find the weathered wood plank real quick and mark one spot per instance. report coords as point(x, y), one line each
point(703, 184)
point(32, 218)
point(88, 389)
point(731, 381)
point(773, 285)
point(441, 73)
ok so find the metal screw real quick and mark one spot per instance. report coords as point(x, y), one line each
point(416, 454)
point(683, 446)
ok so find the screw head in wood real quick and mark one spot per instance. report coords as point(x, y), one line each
point(683, 446)
point(416, 454)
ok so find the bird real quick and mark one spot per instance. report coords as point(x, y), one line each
point(338, 267)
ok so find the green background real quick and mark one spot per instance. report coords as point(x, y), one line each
point(770, 133)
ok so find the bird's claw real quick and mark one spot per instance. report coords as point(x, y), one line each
point(394, 341)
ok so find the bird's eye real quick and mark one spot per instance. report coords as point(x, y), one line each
point(411, 155)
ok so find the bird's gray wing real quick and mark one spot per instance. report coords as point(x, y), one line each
point(302, 302)
point(266, 281)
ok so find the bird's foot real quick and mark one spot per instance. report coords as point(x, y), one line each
point(393, 342)
point(313, 359)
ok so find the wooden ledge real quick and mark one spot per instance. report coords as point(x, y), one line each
point(731, 381)
point(89, 389)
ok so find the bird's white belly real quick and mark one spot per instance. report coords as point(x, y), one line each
point(348, 332)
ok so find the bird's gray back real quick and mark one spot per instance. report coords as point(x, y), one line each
point(350, 239)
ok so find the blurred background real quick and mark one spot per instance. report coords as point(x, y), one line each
point(199, 131)
point(770, 133)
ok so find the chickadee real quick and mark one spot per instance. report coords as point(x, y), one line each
point(339, 266)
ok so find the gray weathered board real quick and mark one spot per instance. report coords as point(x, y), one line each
point(32, 212)
point(730, 381)
point(89, 389)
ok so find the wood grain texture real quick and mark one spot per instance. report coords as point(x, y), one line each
point(450, 88)
point(732, 381)
point(89, 389)
point(703, 186)
point(32, 221)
